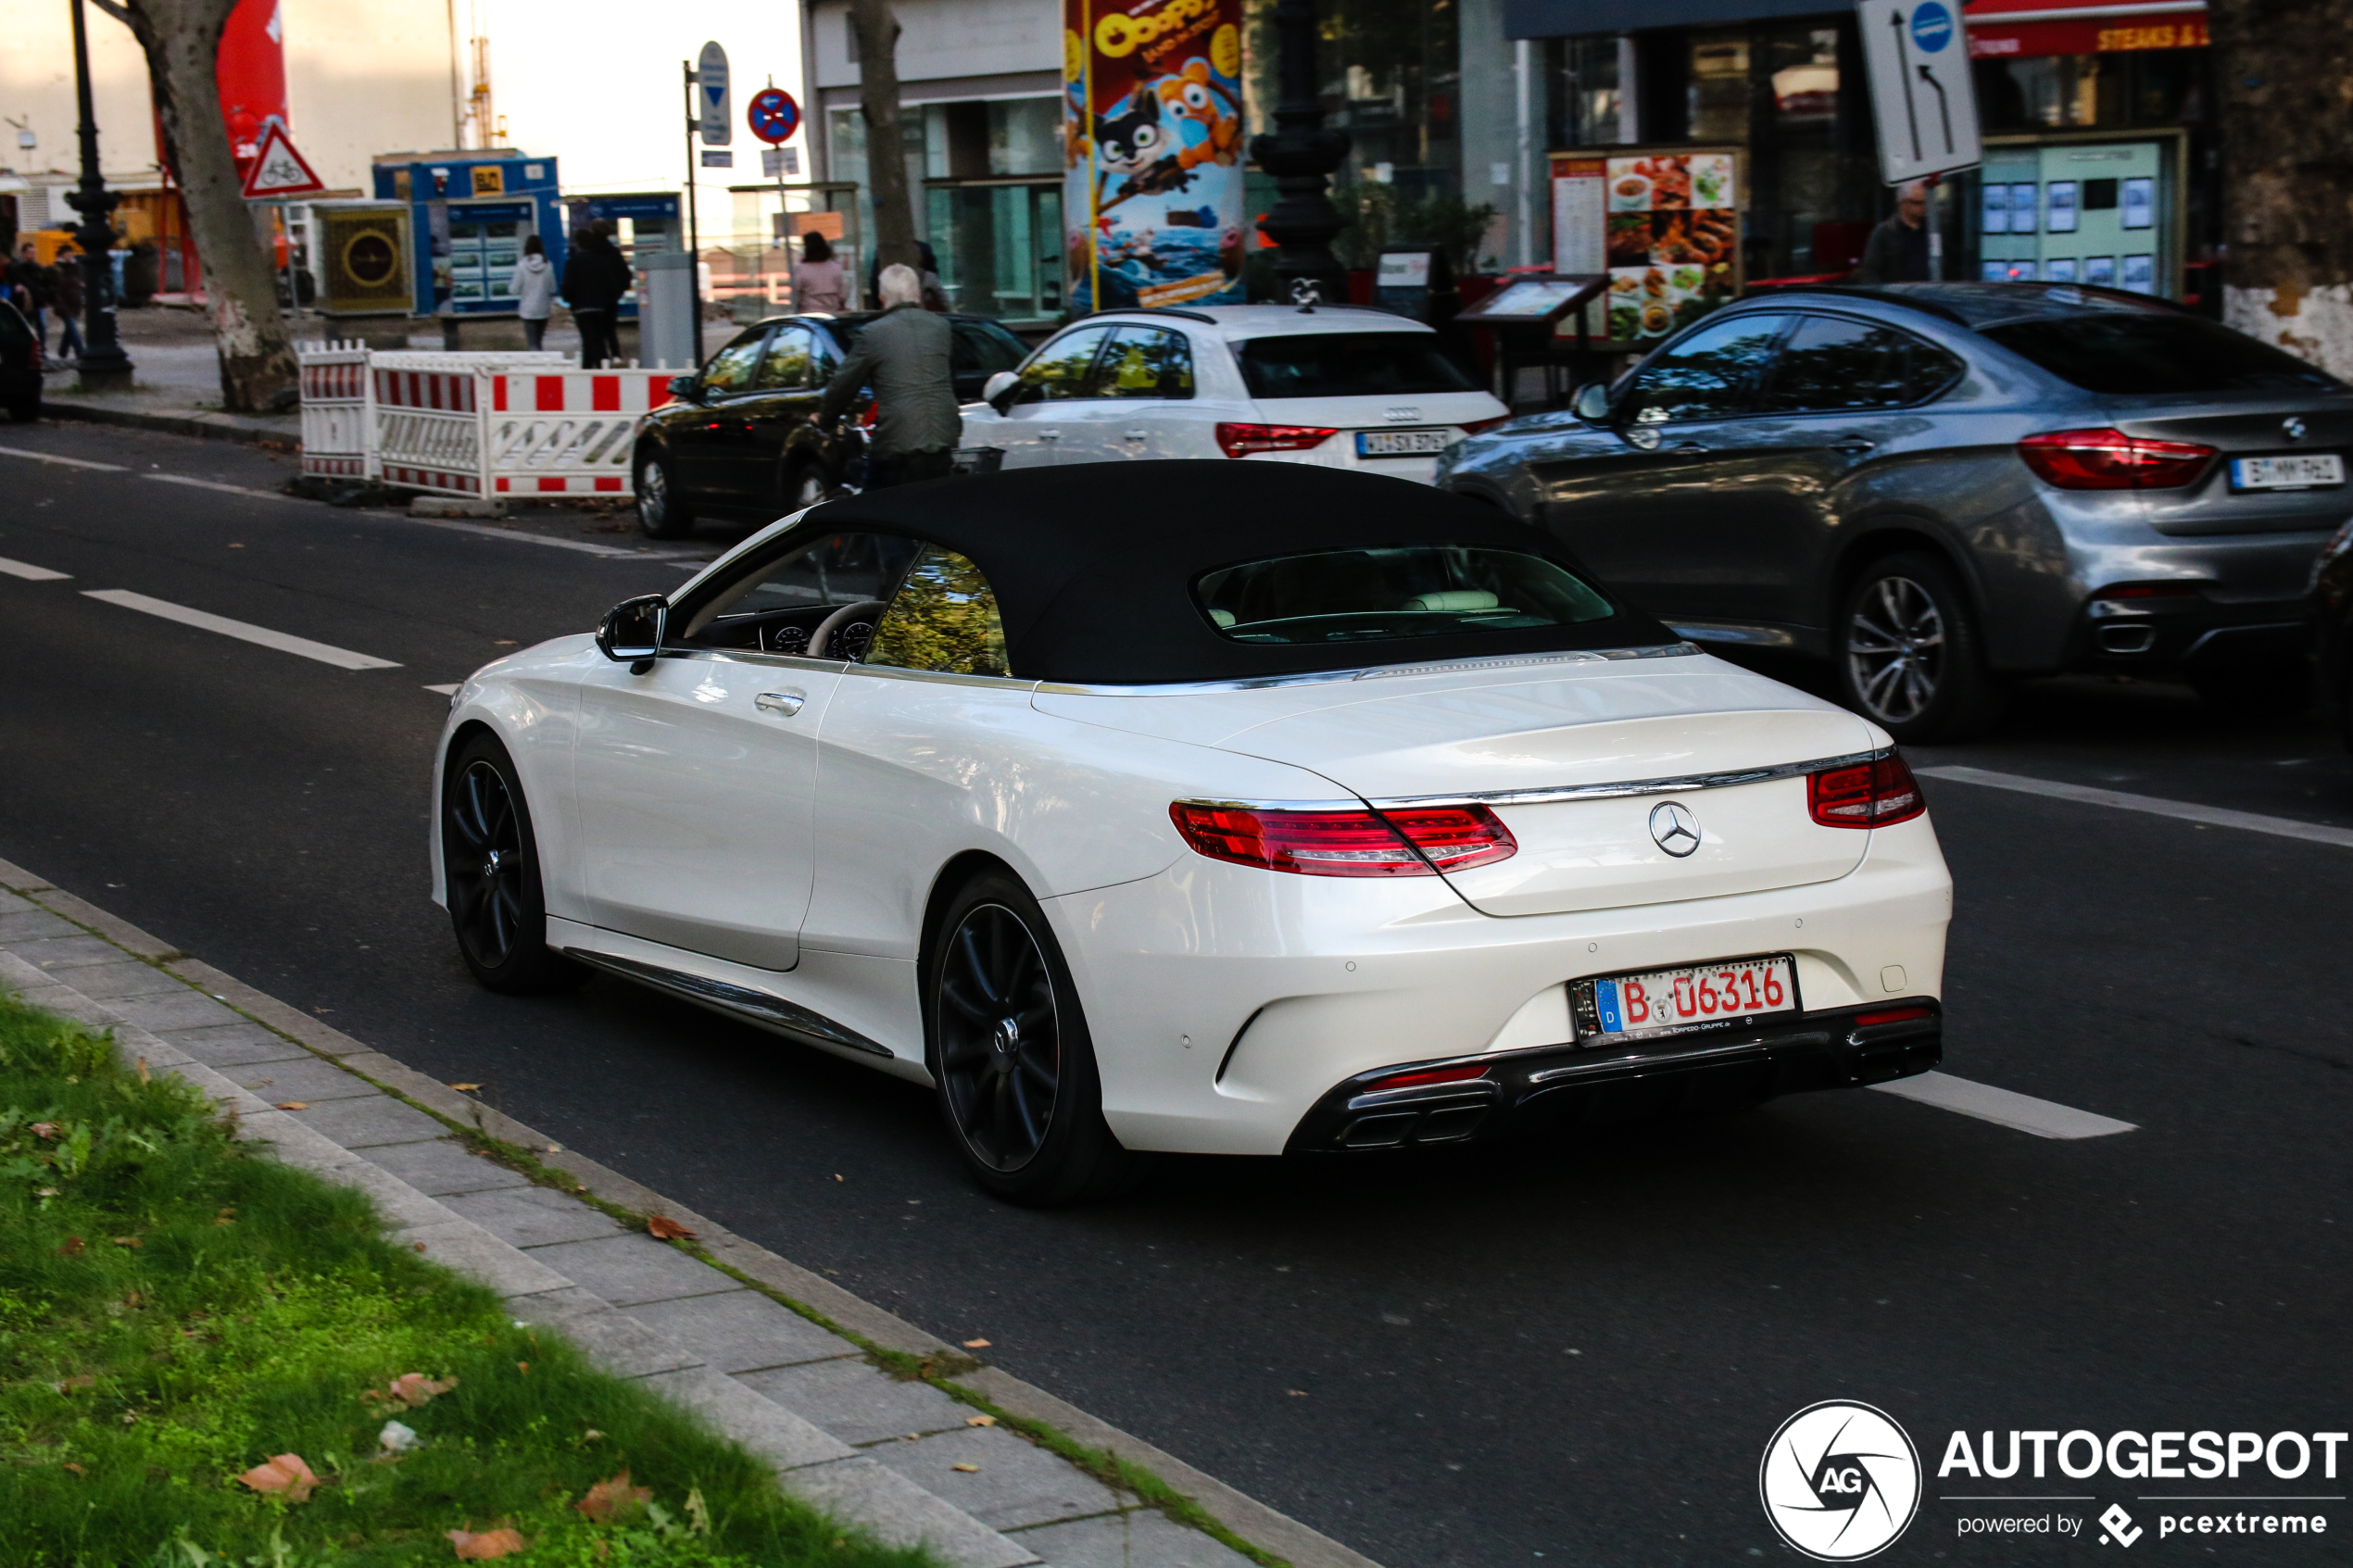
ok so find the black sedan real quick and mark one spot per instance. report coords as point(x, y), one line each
point(736, 443)
point(1937, 487)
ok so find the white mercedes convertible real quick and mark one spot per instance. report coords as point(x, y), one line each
point(1224, 807)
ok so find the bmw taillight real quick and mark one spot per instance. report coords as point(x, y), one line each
point(1240, 441)
point(1417, 842)
point(2109, 460)
point(1865, 795)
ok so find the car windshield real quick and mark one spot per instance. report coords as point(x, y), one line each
point(2157, 354)
point(1384, 594)
point(1350, 365)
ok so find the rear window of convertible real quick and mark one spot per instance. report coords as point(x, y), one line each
point(1335, 596)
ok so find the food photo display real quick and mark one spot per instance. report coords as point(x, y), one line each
point(1673, 241)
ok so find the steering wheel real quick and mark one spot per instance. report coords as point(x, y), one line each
point(821, 641)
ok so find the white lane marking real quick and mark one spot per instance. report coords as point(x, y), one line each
point(449, 690)
point(2215, 816)
point(325, 653)
point(2045, 1119)
point(224, 489)
point(31, 573)
point(68, 462)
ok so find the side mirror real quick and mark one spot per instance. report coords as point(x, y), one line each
point(687, 389)
point(632, 629)
point(1592, 403)
point(998, 390)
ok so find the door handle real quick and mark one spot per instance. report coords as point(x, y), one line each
point(1138, 436)
point(783, 703)
point(1854, 445)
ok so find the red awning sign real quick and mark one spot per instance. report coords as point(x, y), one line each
point(2021, 29)
point(277, 170)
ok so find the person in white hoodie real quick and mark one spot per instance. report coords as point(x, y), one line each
point(533, 286)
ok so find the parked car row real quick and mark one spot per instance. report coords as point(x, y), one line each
point(1935, 488)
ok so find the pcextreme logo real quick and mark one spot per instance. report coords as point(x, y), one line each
point(1841, 1481)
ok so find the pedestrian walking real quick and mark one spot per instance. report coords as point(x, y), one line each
point(817, 282)
point(30, 282)
point(70, 300)
point(595, 278)
point(533, 286)
point(1897, 251)
point(903, 355)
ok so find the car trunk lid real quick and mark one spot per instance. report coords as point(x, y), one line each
point(2254, 424)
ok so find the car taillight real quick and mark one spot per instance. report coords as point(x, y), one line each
point(1404, 843)
point(1865, 795)
point(1472, 427)
point(1892, 1015)
point(2109, 460)
point(2147, 591)
point(1239, 441)
point(1426, 1075)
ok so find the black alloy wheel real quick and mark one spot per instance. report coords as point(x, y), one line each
point(1908, 655)
point(1010, 1053)
point(490, 868)
point(662, 511)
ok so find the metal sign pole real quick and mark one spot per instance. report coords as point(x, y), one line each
point(694, 234)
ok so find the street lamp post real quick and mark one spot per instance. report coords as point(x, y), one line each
point(1302, 153)
point(103, 366)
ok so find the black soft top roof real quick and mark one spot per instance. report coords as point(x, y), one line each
point(1094, 565)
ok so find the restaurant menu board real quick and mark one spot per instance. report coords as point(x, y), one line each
point(1665, 225)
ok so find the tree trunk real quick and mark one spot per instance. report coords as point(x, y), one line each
point(876, 34)
point(2287, 127)
point(183, 43)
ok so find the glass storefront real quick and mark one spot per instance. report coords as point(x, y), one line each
point(1392, 78)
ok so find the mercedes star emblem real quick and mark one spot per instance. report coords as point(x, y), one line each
point(2292, 428)
point(1675, 828)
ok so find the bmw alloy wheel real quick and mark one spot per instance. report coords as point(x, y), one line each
point(485, 862)
point(1895, 650)
point(1000, 1037)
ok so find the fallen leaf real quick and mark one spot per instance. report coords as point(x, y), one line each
point(980, 1420)
point(608, 1500)
point(397, 1437)
point(227, 1216)
point(45, 1192)
point(73, 1246)
point(418, 1245)
point(75, 1468)
point(663, 1228)
point(286, 1473)
point(45, 1130)
point(524, 1367)
point(968, 1469)
point(79, 1380)
point(487, 1546)
point(465, 1086)
point(293, 1105)
point(1296, 1393)
point(142, 1071)
point(414, 1388)
point(976, 1344)
point(554, 1149)
point(127, 1241)
point(502, 642)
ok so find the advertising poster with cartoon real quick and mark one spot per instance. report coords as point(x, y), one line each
point(1152, 152)
point(1673, 240)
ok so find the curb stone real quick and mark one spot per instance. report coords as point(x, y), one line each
point(203, 424)
point(690, 1317)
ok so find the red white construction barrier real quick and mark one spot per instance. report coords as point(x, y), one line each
point(479, 425)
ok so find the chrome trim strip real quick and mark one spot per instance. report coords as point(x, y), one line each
point(941, 677)
point(1415, 1094)
point(1350, 804)
point(1370, 672)
point(1676, 785)
point(761, 1006)
point(1747, 1045)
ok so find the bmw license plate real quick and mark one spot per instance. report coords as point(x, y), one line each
point(1681, 998)
point(2304, 471)
point(1403, 442)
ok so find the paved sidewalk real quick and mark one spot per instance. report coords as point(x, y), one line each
point(902, 1458)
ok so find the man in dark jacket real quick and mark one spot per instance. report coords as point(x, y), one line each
point(596, 276)
point(904, 356)
point(1897, 252)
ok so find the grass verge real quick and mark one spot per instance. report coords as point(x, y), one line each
point(177, 1310)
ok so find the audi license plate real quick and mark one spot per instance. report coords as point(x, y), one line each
point(1403, 442)
point(2305, 471)
point(1679, 999)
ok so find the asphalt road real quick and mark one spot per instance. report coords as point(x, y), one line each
point(1569, 1352)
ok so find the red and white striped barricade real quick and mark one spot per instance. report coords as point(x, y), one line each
point(428, 425)
point(564, 432)
point(335, 424)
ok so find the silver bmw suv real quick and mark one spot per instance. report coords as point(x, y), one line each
point(1938, 487)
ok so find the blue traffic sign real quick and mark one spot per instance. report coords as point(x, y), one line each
point(1932, 26)
point(773, 116)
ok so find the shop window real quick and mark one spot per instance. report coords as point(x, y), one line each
point(1717, 96)
point(1024, 136)
point(1588, 97)
point(1391, 78)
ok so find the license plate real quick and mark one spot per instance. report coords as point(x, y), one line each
point(2305, 471)
point(1680, 999)
point(1403, 442)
